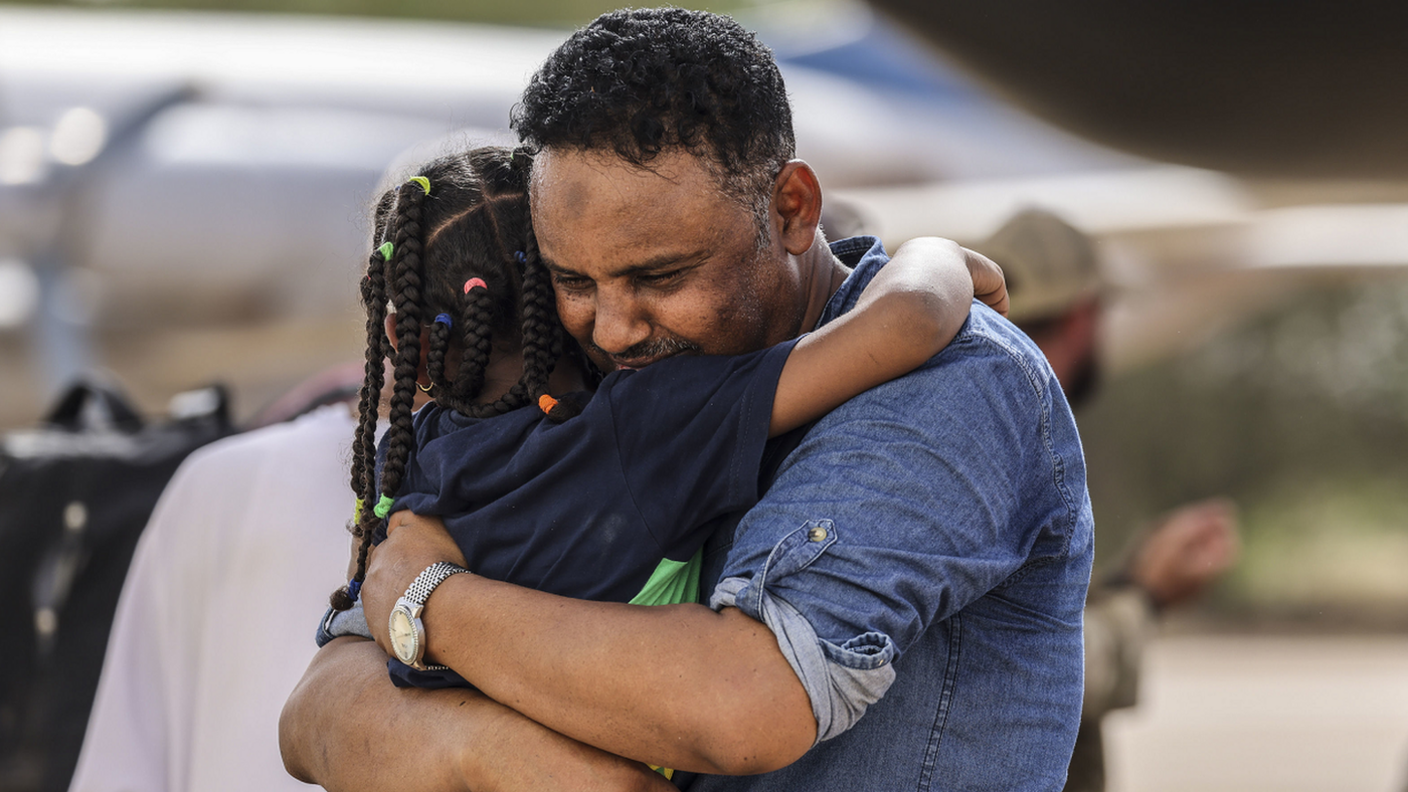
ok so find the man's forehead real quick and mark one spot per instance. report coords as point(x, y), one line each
point(565, 175)
point(589, 204)
point(668, 162)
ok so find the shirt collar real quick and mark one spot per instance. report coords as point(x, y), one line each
point(865, 256)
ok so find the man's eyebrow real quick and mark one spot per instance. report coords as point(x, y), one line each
point(665, 261)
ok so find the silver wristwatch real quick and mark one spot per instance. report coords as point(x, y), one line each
point(407, 632)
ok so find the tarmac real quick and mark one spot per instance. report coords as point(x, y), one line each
point(1222, 713)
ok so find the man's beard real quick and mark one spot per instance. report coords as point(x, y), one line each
point(650, 349)
point(1084, 382)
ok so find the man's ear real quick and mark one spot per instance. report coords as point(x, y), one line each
point(796, 196)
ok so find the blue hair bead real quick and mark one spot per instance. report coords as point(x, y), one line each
point(444, 319)
point(520, 257)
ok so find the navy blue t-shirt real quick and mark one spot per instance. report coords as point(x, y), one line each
point(589, 508)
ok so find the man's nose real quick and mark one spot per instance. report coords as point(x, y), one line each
point(621, 322)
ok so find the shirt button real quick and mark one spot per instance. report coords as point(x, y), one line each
point(816, 533)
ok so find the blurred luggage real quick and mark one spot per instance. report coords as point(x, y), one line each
point(75, 495)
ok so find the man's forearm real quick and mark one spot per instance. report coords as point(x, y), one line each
point(676, 685)
point(346, 727)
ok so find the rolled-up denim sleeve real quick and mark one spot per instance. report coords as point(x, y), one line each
point(841, 679)
point(336, 624)
point(895, 512)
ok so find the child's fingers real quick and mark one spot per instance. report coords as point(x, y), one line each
point(989, 284)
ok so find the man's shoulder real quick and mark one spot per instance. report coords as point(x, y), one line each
point(990, 395)
point(987, 341)
point(987, 346)
point(989, 364)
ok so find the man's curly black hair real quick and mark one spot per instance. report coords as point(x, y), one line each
point(641, 81)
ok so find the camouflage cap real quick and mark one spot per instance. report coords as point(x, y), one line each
point(1050, 265)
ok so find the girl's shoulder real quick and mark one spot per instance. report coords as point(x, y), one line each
point(434, 420)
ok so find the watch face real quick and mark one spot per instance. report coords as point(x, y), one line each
point(403, 636)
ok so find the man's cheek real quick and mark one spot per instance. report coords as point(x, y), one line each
point(577, 319)
point(719, 323)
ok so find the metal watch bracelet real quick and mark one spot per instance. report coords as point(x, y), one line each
point(423, 586)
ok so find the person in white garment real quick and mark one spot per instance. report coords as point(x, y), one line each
point(217, 617)
point(213, 628)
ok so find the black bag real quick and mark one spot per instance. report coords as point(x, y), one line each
point(74, 498)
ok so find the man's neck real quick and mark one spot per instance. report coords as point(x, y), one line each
point(822, 275)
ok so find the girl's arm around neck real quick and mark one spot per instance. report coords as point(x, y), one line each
point(910, 311)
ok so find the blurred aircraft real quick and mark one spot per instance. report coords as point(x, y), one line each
point(1289, 89)
point(165, 170)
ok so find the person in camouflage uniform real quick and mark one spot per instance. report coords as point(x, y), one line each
point(1057, 297)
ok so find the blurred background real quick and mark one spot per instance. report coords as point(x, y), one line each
point(184, 189)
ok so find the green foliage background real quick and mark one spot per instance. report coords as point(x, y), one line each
point(1301, 416)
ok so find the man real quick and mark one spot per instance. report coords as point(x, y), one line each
point(920, 557)
point(1056, 298)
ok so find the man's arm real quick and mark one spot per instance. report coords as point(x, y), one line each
point(346, 727)
point(724, 700)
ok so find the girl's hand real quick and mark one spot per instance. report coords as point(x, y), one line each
point(929, 257)
point(989, 284)
point(412, 544)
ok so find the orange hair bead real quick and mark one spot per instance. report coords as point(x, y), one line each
point(546, 403)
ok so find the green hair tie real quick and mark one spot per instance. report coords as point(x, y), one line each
point(357, 511)
point(383, 506)
point(386, 250)
point(422, 181)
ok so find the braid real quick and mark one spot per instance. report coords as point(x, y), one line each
point(371, 382)
point(518, 395)
point(375, 295)
point(364, 441)
point(435, 356)
point(542, 330)
point(405, 278)
point(477, 338)
point(406, 297)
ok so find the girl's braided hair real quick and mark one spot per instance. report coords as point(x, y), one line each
point(464, 216)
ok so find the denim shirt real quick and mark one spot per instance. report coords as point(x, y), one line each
point(923, 556)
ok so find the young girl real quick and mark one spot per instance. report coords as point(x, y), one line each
point(605, 496)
